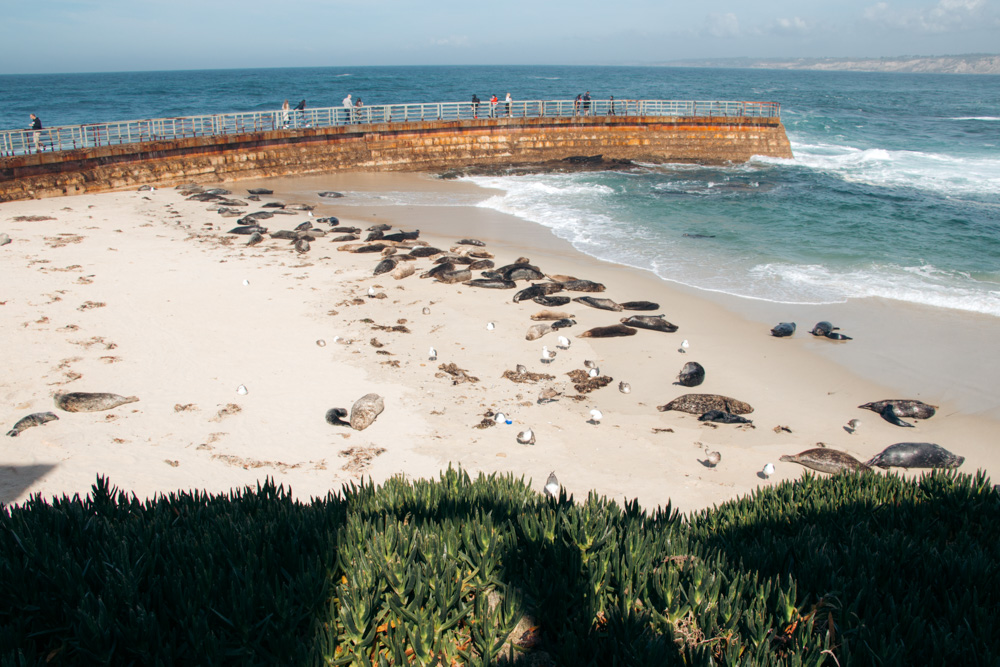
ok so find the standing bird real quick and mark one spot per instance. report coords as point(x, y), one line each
point(526, 437)
point(852, 426)
point(684, 346)
point(547, 395)
point(547, 355)
point(595, 416)
point(594, 372)
point(371, 292)
point(552, 485)
point(500, 418)
point(490, 326)
point(432, 354)
point(712, 458)
point(768, 470)
point(590, 364)
point(563, 342)
point(624, 387)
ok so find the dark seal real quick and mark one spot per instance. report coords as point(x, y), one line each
point(723, 417)
point(651, 322)
point(692, 375)
point(34, 419)
point(916, 455)
point(613, 331)
point(783, 329)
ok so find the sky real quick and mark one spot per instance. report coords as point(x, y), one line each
point(43, 36)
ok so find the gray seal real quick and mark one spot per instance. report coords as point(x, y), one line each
point(903, 407)
point(889, 414)
point(248, 230)
point(783, 329)
point(613, 331)
point(34, 419)
point(80, 401)
point(538, 289)
point(551, 301)
point(723, 417)
point(823, 329)
point(692, 375)
point(583, 286)
point(826, 460)
point(916, 455)
point(597, 302)
point(699, 404)
point(651, 322)
point(563, 322)
point(640, 305)
point(403, 236)
point(385, 266)
point(475, 242)
point(255, 238)
point(521, 271)
point(457, 276)
point(491, 284)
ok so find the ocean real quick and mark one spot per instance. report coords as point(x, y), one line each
point(894, 190)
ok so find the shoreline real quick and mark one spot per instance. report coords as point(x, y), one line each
point(188, 332)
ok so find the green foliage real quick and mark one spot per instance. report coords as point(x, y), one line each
point(849, 570)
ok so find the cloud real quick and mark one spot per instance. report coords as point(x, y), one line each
point(453, 42)
point(945, 16)
point(722, 25)
point(792, 26)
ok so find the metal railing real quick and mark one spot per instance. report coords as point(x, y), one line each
point(70, 137)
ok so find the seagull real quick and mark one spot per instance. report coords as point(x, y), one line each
point(432, 354)
point(246, 282)
point(321, 342)
point(712, 458)
point(371, 292)
point(500, 418)
point(490, 326)
point(768, 470)
point(241, 390)
point(547, 356)
point(624, 387)
point(521, 369)
point(310, 214)
point(552, 485)
point(563, 342)
point(852, 426)
point(526, 437)
point(590, 364)
point(684, 346)
point(596, 416)
point(594, 372)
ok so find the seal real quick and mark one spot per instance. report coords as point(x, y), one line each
point(783, 329)
point(903, 407)
point(613, 331)
point(381, 227)
point(551, 315)
point(260, 191)
point(247, 230)
point(331, 195)
point(79, 401)
point(491, 284)
point(563, 323)
point(475, 242)
point(301, 246)
point(826, 460)
point(425, 251)
point(699, 404)
point(833, 335)
point(651, 322)
point(597, 302)
point(34, 419)
point(365, 410)
point(284, 234)
point(723, 417)
point(551, 301)
point(583, 286)
point(376, 235)
point(692, 374)
point(521, 271)
point(336, 416)
point(255, 238)
point(439, 269)
point(823, 328)
point(385, 266)
point(640, 305)
point(403, 236)
point(345, 237)
point(538, 289)
point(332, 220)
point(480, 264)
point(457, 276)
point(916, 455)
point(536, 331)
point(889, 414)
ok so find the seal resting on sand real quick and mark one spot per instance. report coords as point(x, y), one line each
point(651, 322)
point(723, 417)
point(551, 301)
point(597, 302)
point(692, 375)
point(783, 329)
point(699, 404)
point(34, 419)
point(640, 305)
point(583, 286)
point(80, 401)
point(536, 290)
point(365, 410)
point(826, 460)
point(903, 407)
point(551, 315)
point(613, 331)
point(916, 455)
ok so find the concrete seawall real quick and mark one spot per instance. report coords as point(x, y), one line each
point(414, 146)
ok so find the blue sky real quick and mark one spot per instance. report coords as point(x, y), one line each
point(124, 35)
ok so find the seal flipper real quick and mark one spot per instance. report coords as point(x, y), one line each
point(836, 336)
point(890, 416)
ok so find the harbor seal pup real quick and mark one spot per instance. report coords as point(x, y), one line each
point(723, 417)
point(903, 407)
point(538, 289)
point(365, 410)
point(783, 329)
point(563, 323)
point(551, 301)
point(692, 374)
point(79, 401)
point(826, 460)
point(640, 305)
point(597, 302)
point(699, 404)
point(385, 266)
point(583, 286)
point(551, 315)
point(255, 238)
point(301, 246)
point(915, 455)
point(823, 328)
point(34, 419)
point(345, 237)
point(336, 416)
point(651, 322)
point(613, 331)
point(536, 331)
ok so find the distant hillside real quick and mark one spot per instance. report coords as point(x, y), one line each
point(965, 64)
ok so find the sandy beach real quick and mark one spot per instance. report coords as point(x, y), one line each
point(144, 294)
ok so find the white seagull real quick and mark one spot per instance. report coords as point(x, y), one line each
point(563, 342)
point(547, 355)
point(371, 291)
point(596, 416)
point(768, 470)
point(552, 485)
point(594, 372)
point(490, 326)
point(500, 418)
point(432, 354)
point(624, 387)
point(526, 437)
point(590, 364)
point(852, 426)
point(241, 390)
point(684, 346)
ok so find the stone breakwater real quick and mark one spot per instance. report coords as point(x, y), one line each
point(416, 146)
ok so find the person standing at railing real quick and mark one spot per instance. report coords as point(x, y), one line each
point(475, 105)
point(357, 109)
point(348, 105)
point(301, 108)
point(285, 112)
point(507, 101)
point(586, 103)
point(576, 104)
point(493, 106)
point(36, 126)
point(611, 108)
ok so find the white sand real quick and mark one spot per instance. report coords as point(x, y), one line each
point(179, 329)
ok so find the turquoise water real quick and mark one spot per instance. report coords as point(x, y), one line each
point(894, 190)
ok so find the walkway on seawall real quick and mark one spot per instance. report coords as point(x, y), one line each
point(412, 137)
